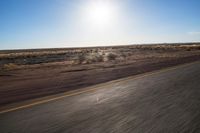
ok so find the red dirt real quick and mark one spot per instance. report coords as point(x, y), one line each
point(20, 85)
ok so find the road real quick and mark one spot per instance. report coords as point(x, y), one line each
point(167, 101)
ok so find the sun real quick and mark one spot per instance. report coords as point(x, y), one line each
point(99, 13)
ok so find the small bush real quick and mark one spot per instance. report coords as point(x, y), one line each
point(94, 57)
point(111, 56)
point(9, 66)
point(81, 59)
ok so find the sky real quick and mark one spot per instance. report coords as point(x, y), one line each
point(81, 23)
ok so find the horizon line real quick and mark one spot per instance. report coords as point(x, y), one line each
point(120, 45)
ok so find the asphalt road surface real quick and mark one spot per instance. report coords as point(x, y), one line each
point(164, 102)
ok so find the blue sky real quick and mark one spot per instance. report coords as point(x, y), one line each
point(78, 23)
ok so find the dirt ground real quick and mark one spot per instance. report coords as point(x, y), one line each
point(40, 80)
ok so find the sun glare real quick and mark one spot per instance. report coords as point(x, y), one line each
point(99, 13)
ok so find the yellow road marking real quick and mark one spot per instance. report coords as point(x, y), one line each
point(44, 101)
point(73, 93)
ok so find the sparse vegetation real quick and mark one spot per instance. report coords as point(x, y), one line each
point(17, 58)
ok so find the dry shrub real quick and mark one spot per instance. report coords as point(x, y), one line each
point(111, 56)
point(94, 57)
point(80, 59)
point(10, 66)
